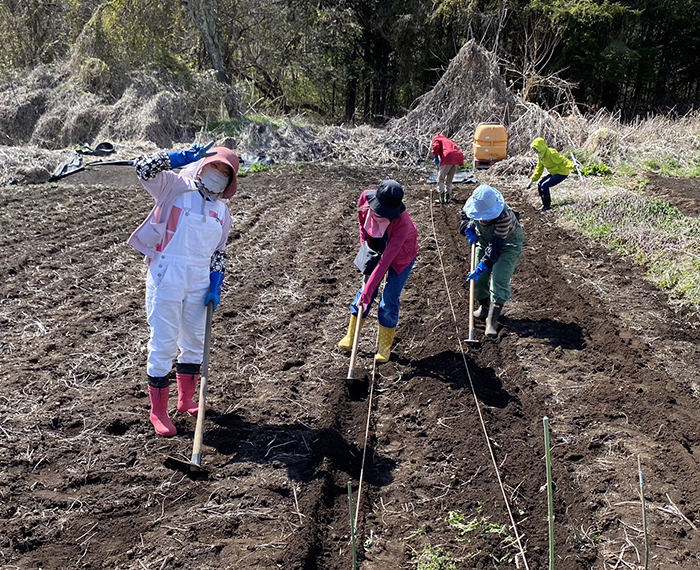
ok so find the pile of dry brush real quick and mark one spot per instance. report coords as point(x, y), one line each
point(470, 92)
point(48, 110)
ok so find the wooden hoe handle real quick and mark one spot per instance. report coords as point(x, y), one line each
point(355, 342)
point(199, 430)
point(471, 293)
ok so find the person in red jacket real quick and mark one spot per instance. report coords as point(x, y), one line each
point(387, 228)
point(449, 158)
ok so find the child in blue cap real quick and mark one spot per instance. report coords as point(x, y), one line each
point(488, 222)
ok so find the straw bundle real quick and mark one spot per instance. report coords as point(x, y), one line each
point(472, 91)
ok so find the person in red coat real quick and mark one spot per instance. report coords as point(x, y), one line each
point(448, 158)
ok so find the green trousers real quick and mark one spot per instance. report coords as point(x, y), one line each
point(495, 284)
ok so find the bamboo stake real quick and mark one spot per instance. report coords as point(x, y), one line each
point(550, 498)
point(352, 529)
point(644, 513)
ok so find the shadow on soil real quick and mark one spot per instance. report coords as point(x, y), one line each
point(300, 448)
point(448, 367)
point(566, 335)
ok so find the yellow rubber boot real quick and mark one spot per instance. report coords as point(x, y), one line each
point(346, 342)
point(386, 338)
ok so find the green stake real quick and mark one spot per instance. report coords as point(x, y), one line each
point(352, 528)
point(550, 498)
point(644, 513)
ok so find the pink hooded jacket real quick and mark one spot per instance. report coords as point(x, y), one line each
point(401, 248)
point(165, 188)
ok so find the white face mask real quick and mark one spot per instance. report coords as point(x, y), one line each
point(214, 181)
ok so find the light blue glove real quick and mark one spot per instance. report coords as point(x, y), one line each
point(216, 280)
point(436, 160)
point(180, 158)
point(477, 271)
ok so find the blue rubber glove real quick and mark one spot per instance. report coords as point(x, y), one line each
point(467, 229)
point(436, 160)
point(216, 280)
point(477, 271)
point(470, 232)
point(180, 158)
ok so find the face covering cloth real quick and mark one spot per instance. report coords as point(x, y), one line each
point(375, 225)
point(214, 181)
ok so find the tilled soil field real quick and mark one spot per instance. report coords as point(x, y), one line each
point(453, 446)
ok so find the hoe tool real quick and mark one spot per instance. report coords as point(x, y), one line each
point(472, 265)
point(195, 464)
point(355, 342)
point(356, 387)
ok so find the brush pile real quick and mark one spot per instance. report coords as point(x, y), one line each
point(522, 165)
point(59, 107)
point(53, 107)
point(472, 91)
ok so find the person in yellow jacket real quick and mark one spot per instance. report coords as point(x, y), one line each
point(558, 168)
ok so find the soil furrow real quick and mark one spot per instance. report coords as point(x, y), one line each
point(585, 340)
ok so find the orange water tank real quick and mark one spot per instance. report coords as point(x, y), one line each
point(490, 144)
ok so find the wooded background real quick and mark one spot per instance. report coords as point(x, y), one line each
point(369, 60)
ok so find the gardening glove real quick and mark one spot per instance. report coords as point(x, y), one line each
point(470, 232)
point(436, 160)
point(529, 185)
point(362, 306)
point(180, 158)
point(216, 279)
point(466, 229)
point(478, 270)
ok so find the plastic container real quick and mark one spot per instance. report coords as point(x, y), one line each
point(490, 144)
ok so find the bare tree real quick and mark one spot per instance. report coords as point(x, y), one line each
point(202, 14)
point(537, 48)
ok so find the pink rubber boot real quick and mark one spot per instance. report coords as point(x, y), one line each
point(186, 387)
point(159, 411)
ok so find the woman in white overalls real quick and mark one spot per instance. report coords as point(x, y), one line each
point(184, 241)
